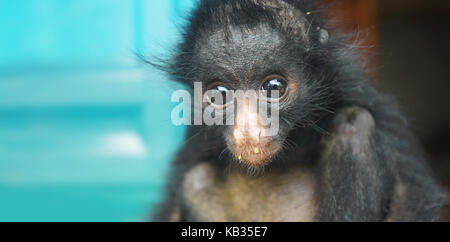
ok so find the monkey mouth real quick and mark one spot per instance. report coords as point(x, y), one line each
point(255, 155)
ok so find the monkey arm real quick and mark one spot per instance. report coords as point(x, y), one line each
point(417, 196)
point(169, 210)
point(354, 183)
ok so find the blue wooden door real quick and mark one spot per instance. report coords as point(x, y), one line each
point(85, 130)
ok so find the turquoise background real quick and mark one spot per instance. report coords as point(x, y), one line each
point(85, 130)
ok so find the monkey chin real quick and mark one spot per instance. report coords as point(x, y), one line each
point(256, 156)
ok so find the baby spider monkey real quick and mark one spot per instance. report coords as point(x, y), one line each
point(342, 152)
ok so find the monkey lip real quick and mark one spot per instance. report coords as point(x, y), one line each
point(255, 155)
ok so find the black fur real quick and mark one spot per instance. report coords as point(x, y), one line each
point(392, 183)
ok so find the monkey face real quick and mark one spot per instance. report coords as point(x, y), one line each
point(253, 133)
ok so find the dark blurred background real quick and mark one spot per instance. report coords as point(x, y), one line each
point(85, 131)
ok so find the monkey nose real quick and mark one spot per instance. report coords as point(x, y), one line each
point(248, 129)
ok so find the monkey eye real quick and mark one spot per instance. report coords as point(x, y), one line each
point(219, 95)
point(274, 88)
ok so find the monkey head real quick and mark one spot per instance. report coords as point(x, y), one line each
point(268, 47)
